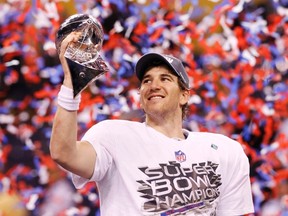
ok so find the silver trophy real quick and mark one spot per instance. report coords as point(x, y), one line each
point(83, 58)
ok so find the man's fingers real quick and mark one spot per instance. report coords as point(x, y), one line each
point(73, 37)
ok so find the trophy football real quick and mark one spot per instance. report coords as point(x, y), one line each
point(83, 58)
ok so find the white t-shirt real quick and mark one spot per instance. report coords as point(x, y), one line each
point(140, 171)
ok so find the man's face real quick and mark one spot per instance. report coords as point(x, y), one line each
point(160, 93)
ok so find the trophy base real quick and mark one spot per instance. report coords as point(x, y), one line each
point(82, 75)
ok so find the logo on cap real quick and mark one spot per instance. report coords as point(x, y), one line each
point(170, 60)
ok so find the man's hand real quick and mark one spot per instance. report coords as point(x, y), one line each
point(71, 39)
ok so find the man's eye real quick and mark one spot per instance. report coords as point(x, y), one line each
point(146, 81)
point(166, 79)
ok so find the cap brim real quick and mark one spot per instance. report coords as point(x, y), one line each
point(145, 61)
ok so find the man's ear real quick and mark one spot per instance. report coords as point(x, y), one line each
point(185, 95)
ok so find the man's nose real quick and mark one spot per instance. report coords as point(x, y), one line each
point(155, 84)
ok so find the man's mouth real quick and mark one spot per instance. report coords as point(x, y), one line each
point(152, 97)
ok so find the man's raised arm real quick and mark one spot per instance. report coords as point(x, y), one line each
point(72, 155)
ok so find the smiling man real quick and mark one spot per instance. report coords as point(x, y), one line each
point(162, 97)
point(155, 167)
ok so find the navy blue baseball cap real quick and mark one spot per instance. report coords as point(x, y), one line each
point(174, 63)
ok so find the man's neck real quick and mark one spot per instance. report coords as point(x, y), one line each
point(171, 128)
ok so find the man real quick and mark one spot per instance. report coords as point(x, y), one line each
point(155, 167)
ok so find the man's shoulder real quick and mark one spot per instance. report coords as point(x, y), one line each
point(209, 135)
point(113, 127)
point(215, 138)
point(119, 123)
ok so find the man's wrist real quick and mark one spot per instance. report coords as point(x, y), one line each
point(66, 99)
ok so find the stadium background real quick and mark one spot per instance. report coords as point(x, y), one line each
point(236, 56)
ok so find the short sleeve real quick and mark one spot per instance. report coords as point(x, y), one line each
point(236, 195)
point(103, 159)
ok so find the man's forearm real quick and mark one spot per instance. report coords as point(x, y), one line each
point(64, 136)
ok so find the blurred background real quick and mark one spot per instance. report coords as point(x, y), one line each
point(234, 51)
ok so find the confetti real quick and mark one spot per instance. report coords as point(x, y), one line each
point(235, 55)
